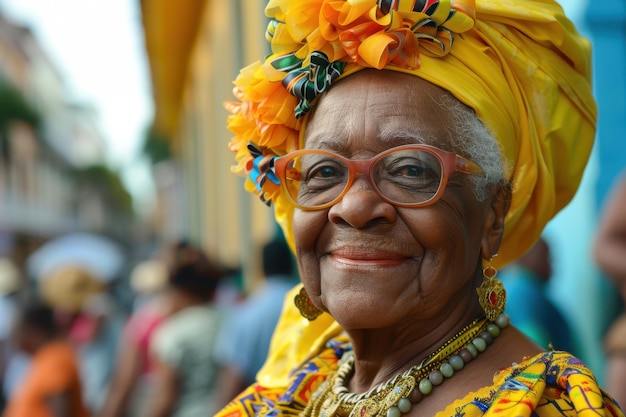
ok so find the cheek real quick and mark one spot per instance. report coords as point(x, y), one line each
point(307, 229)
point(451, 233)
point(468, 237)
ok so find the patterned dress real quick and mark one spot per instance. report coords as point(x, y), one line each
point(549, 384)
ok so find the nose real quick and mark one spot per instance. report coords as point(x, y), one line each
point(361, 207)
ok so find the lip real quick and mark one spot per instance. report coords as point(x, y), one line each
point(368, 257)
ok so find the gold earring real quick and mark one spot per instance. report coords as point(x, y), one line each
point(305, 305)
point(491, 293)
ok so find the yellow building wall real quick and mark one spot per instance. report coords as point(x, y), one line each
point(230, 223)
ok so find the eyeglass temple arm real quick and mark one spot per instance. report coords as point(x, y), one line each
point(467, 167)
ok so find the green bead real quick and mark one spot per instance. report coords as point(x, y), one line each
point(446, 369)
point(394, 412)
point(425, 386)
point(502, 321)
point(404, 405)
point(472, 349)
point(493, 329)
point(457, 362)
point(480, 344)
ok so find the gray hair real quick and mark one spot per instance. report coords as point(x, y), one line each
point(473, 140)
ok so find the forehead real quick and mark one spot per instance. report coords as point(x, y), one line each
point(374, 110)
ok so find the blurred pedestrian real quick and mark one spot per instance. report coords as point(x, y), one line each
point(182, 346)
point(610, 255)
point(250, 326)
point(527, 279)
point(132, 383)
point(92, 322)
point(10, 282)
point(52, 386)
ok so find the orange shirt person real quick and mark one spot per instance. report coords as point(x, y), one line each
point(51, 387)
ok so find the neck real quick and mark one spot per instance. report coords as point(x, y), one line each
point(382, 353)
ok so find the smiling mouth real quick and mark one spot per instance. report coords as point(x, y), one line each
point(368, 258)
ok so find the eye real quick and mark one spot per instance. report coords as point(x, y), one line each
point(322, 174)
point(407, 167)
point(410, 170)
point(316, 168)
point(326, 171)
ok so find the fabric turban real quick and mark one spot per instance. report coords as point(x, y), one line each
point(521, 65)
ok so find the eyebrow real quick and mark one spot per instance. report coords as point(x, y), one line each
point(335, 139)
point(400, 137)
point(338, 142)
point(335, 144)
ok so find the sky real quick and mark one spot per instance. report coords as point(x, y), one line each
point(98, 47)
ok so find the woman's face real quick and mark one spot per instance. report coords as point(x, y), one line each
point(369, 263)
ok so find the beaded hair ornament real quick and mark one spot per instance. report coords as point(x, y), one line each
point(313, 43)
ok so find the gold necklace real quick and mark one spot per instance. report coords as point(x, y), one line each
point(397, 395)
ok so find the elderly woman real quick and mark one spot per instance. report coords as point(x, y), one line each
point(404, 145)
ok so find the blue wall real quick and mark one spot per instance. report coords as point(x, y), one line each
point(606, 21)
point(579, 289)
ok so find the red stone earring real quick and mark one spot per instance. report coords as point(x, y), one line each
point(491, 293)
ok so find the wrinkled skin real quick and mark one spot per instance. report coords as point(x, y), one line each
point(367, 262)
point(401, 281)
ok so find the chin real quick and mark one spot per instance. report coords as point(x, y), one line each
point(361, 315)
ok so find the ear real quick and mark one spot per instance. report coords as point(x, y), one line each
point(494, 222)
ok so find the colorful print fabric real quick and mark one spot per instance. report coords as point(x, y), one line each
point(547, 385)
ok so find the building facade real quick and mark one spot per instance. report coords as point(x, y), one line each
point(196, 49)
point(45, 140)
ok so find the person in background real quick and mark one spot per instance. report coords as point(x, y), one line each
point(92, 322)
point(610, 254)
point(10, 282)
point(132, 382)
point(65, 290)
point(182, 346)
point(541, 320)
point(251, 324)
point(52, 386)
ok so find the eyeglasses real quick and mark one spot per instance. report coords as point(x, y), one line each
point(405, 176)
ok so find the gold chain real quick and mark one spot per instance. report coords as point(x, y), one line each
point(333, 399)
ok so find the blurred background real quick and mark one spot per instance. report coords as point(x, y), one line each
point(112, 125)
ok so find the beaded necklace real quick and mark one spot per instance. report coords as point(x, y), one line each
point(397, 395)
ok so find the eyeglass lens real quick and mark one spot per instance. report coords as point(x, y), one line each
point(407, 176)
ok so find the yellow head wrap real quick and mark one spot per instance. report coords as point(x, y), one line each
point(520, 65)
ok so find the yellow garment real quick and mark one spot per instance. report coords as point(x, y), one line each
point(294, 340)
